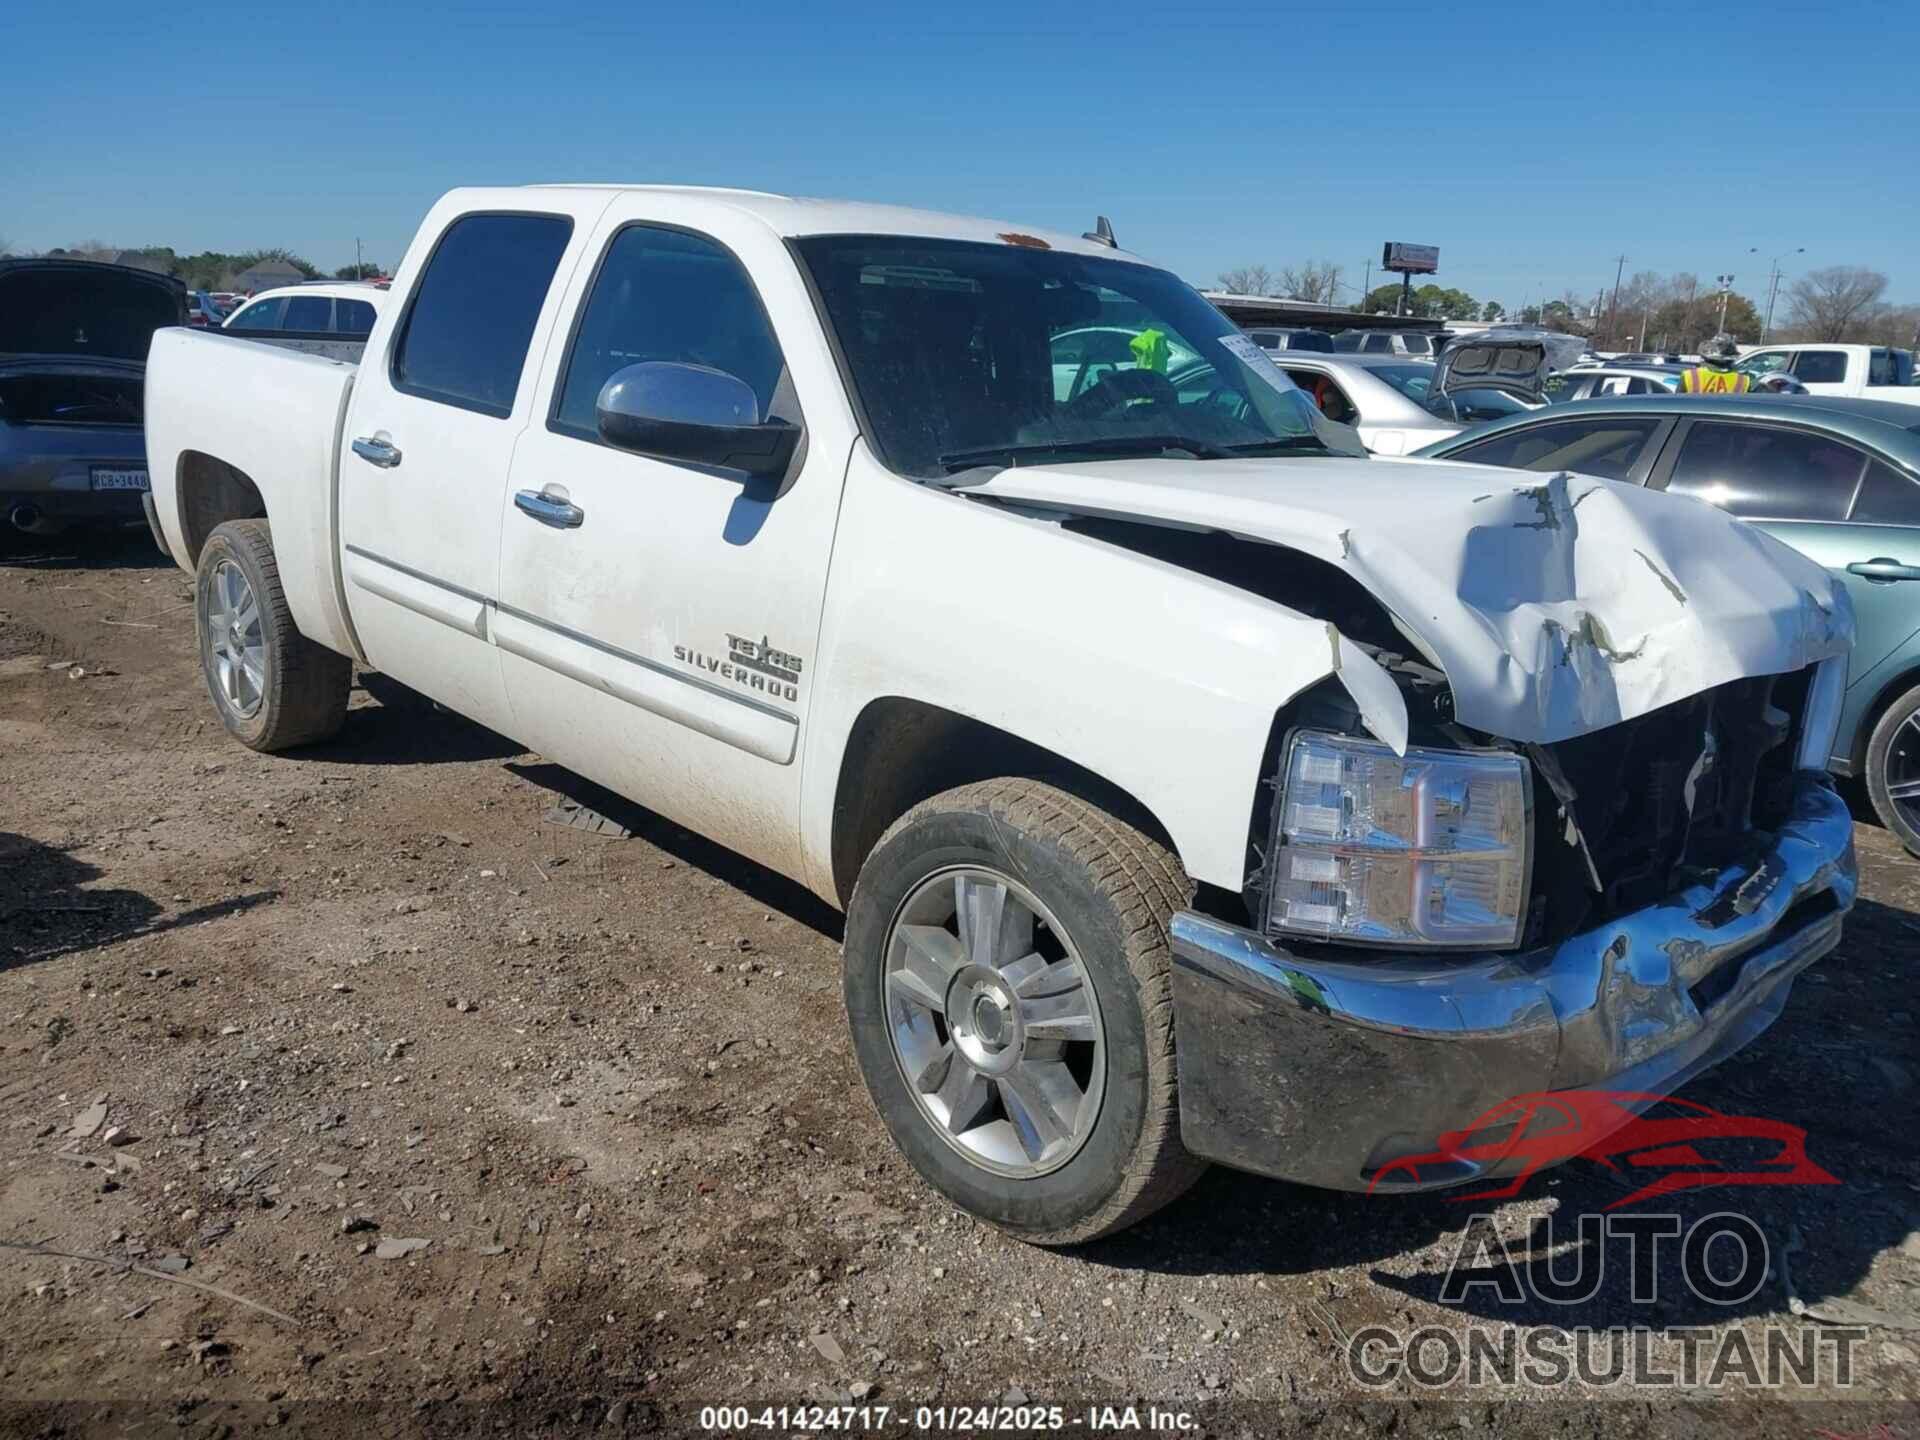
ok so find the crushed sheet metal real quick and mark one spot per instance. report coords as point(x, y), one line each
point(1555, 607)
point(1382, 706)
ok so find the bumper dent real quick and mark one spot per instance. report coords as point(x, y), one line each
point(1322, 1071)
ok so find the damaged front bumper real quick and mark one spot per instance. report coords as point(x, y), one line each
point(1327, 1071)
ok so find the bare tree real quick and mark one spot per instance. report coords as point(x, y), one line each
point(1831, 304)
point(1315, 281)
point(1247, 280)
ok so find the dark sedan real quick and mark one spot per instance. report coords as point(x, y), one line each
point(1837, 479)
point(73, 359)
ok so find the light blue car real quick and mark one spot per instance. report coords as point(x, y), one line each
point(1837, 479)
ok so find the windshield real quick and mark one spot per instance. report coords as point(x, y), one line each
point(965, 353)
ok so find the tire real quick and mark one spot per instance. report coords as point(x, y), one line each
point(294, 691)
point(1109, 891)
point(1893, 755)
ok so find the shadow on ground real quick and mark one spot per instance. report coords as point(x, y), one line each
point(404, 727)
point(774, 891)
point(47, 909)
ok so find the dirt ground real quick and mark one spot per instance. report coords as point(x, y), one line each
point(337, 1003)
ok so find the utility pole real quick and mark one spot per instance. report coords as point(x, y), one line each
point(359, 270)
point(1774, 276)
point(1726, 288)
point(1614, 304)
point(1366, 286)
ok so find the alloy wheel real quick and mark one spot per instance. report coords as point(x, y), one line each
point(994, 1022)
point(234, 640)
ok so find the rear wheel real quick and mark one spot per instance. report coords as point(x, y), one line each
point(1893, 768)
point(1007, 983)
point(274, 688)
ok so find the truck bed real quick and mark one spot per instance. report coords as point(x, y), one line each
point(277, 417)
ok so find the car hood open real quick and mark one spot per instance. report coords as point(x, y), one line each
point(83, 310)
point(1515, 361)
point(1556, 605)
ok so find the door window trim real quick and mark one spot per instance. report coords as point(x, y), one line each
point(553, 423)
point(1662, 472)
point(405, 323)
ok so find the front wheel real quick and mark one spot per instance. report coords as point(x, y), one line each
point(1006, 977)
point(274, 688)
point(1893, 769)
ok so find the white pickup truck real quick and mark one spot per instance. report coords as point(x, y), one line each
point(1194, 791)
point(1874, 372)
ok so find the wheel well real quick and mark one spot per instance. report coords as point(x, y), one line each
point(212, 492)
point(1889, 692)
point(901, 752)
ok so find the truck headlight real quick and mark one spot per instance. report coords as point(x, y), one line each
point(1429, 848)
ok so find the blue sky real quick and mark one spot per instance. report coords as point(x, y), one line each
point(1532, 143)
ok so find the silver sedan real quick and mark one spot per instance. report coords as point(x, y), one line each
point(1385, 398)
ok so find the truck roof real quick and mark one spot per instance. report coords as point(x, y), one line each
point(793, 215)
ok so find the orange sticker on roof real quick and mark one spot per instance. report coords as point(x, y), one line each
point(1030, 242)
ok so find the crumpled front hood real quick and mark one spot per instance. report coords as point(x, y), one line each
point(1556, 605)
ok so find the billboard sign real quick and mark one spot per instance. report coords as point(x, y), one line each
point(1410, 259)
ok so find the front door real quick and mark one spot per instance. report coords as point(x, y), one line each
point(657, 619)
point(430, 431)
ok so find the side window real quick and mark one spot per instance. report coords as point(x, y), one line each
point(1638, 385)
point(309, 313)
point(464, 340)
point(1820, 367)
point(1266, 341)
point(1331, 399)
point(1765, 362)
point(1761, 472)
point(666, 295)
point(1886, 498)
point(1880, 368)
point(261, 315)
point(1377, 345)
point(352, 317)
point(1417, 344)
point(1605, 445)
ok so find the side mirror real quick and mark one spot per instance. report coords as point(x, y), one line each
point(693, 414)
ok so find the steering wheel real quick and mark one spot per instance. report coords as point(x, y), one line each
point(1120, 390)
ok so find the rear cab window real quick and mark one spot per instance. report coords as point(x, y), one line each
point(463, 341)
point(352, 317)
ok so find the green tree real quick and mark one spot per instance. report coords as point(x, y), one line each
point(1493, 310)
point(364, 270)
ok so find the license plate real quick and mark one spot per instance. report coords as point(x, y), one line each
point(120, 480)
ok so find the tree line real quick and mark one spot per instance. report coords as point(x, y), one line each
point(1649, 311)
point(207, 270)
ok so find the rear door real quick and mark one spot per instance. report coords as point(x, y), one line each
point(437, 407)
point(657, 618)
point(1800, 485)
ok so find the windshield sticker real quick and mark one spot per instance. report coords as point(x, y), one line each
point(1258, 361)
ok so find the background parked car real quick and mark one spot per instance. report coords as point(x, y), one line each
point(1874, 372)
point(1836, 478)
point(73, 359)
point(345, 309)
point(1386, 399)
point(1584, 382)
point(1296, 339)
point(202, 312)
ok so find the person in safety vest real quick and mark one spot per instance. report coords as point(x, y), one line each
point(1715, 374)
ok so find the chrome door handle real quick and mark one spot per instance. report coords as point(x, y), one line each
point(561, 514)
point(1884, 570)
point(383, 453)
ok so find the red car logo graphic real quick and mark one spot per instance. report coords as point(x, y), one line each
point(1686, 1151)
